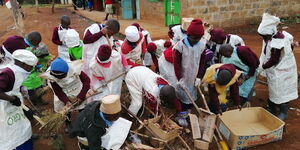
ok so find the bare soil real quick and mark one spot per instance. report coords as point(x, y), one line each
point(45, 21)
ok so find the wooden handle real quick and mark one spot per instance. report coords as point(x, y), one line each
point(191, 99)
point(205, 103)
point(203, 98)
point(116, 77)
point(37, 118)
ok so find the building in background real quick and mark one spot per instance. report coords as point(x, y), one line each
point(222, 13)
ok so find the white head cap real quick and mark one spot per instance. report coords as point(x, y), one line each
point(268, 25)
point(111, 104)
point(178, 34)
point(72, 38)
point(25, 56)
point(132, 34)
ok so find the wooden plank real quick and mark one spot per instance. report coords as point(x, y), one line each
point(195, 126)
point(209, 128)
point(202, 124)
point(201, 144)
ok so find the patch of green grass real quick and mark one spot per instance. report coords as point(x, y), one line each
point(291, 19)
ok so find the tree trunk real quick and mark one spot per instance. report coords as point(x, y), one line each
point(53, 3)
point(18, 19)
point(37, 5)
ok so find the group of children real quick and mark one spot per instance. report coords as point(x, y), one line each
point(88, 74)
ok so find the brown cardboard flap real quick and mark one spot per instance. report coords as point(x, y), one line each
point(201, 144)
point(154, 125)
point(195, 126)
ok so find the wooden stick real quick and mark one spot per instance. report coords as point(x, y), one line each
point(142, 123)
point(184, 142)
point(116, 77)
point(108, 41)
point(165, 120)
point(191, 99)
point(203, 98)
point(205, 103)
point(218, 144)
point(33, 106)
point(37, 118)
point(146, 136)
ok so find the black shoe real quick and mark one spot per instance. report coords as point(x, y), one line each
point(284, 108)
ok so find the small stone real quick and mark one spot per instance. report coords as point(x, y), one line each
point(223, 9)
point(187, 130)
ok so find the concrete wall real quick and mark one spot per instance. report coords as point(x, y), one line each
point(224, 13)
point(153, 11)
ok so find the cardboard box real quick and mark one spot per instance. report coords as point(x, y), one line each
point(162, 134)
point(249, 127)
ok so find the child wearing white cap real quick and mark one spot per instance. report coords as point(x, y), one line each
point(134, 46)
point(74, 44)
point(15, 133)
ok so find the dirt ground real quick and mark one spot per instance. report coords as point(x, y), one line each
point(44, 21)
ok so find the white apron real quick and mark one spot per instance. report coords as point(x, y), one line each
point(160, 47)
point(15, 128)
point(282, 78)
point(63, 49)
point(90, 50)
point(116, 134)
point(147, 59)
point(147, 34)
point(137, 79)
point(261, 60)
point(166, 70)
point(235, 40)
point(178, 35)
point(115, 69)
point(190, 66)
point(71, 85)
point(135, 54)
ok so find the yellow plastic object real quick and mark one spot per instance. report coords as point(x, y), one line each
point(224, 146)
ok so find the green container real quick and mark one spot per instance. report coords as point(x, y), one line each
point(172, 12)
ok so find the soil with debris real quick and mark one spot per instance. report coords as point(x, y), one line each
point(44, 22)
